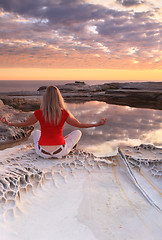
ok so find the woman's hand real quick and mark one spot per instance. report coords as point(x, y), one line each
point(3, 120)
point(71, 120)
point(31, 120)
point(102, 122)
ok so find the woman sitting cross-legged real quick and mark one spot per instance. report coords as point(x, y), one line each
point(49, 142)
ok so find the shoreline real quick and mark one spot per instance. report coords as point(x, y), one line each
point(132, 94)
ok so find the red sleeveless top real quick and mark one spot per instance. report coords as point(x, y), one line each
point(51, 134)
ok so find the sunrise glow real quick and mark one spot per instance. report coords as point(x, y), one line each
point(81, 40)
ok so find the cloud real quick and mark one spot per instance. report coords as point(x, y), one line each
point(79, 33)
point(129, 3)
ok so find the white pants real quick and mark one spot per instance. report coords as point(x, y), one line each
point(70, 141)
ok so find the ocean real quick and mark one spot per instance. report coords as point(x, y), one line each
point(33, 85)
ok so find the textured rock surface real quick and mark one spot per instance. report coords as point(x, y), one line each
point(12, 134)
point(79, 190)
point(24, 170)
point(22, 103)
point(144, 165)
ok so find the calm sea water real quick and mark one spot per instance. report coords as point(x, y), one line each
point(33, 85)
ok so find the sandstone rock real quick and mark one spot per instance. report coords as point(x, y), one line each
point(10, 134)
point(135, 98)
point(1, 103)
point(133, 94)
point(25, 104)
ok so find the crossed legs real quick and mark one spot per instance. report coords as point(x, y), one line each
point(70, 141)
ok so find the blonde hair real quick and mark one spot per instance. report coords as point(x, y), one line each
point(51, 104)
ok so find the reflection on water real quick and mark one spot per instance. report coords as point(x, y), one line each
point(125, 126)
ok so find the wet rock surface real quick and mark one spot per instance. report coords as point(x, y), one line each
point(133, 94)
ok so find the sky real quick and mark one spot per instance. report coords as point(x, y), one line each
point(81, 40)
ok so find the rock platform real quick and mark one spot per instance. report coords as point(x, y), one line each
point(133, 94)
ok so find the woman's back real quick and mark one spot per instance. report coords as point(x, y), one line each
point(51, 133)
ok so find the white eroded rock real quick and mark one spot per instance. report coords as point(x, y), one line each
point(77, 197)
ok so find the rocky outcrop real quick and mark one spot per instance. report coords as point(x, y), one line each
point(12, 134)
point(24, 171)
point(22, 103)
point(143, 95)
point(133, 98)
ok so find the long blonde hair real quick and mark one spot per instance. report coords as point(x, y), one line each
point(51, 104)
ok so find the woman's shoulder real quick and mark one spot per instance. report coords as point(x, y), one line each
point(38, 112)
point(65, 112)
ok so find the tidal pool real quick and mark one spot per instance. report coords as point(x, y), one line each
point(125, 126)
